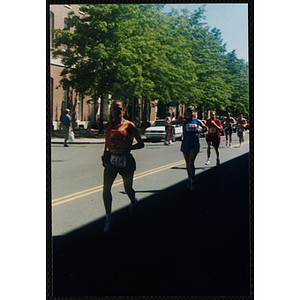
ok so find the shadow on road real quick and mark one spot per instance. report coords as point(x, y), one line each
point(180, 243)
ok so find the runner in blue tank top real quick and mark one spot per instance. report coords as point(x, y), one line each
point(190, 145)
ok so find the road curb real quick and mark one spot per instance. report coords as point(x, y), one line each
point(82, 141)
point(76, 143)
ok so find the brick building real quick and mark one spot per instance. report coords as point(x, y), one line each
point(85, 112)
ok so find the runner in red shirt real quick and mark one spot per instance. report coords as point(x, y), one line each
point(213, 136)
point(118, 159)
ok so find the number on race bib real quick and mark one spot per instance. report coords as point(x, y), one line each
point(212, 130)
point(191, 127)
point(118, 161)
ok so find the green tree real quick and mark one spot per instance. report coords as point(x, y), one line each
point(238, 79)
point(136, 51)
point(97, 53)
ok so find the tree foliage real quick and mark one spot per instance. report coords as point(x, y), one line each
point(134, 50)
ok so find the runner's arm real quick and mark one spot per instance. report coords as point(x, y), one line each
point(180, 120)
point(218, 126)
point(105, 145)
point(201, 124)
point(140, 143)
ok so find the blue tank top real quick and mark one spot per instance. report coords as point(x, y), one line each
point(190, 129)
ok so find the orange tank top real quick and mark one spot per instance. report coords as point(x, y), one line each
point(118, 140)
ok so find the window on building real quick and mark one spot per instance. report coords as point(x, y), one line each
point(66, 27)
point(51, 27)
point(82, 13)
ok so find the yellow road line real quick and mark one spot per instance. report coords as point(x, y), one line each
point(236, 145)
point(97, 189)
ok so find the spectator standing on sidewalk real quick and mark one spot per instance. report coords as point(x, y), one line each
point(117, 158)
point(213, 137)
point(190, 145)
point(172, 128)
point(168, 128)
point(66, 125)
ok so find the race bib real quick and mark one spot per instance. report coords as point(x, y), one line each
point(118, 161)
point(212, 130)
point(191, 127)
point(241, 129)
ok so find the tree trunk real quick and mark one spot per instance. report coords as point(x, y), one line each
point(101, 125)
point(133, 110)
point(177, 110)
point(144, 113)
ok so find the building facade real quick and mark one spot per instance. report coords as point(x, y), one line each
point(60, 98)
point(85, 111)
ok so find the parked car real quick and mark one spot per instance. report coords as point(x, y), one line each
point(157, 131)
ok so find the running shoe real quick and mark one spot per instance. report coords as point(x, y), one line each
point(192, 187)
point(229, 145)
point(171, 143)
point(133, 208)
point(189, 184)
point(218, 161)
point(107, 226)
point(226, 143)
point(166, 143)
point(207, 162)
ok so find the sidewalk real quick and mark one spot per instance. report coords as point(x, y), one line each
point(81, 140)
point(81, 137)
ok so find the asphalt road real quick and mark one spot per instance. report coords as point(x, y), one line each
point(77, 178)
point(180, 243)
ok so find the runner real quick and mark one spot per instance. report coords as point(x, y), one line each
point(241, 124)
point(213, 136)
point(228, 122)
point(118, 159)
point(168, 128)
point(190, 145)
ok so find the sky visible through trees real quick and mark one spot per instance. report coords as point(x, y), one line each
point(139, 51)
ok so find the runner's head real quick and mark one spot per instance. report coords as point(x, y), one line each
point(190, 112)
point(212, 115)
point(228, 114)
point(241, 116)
point(118, 109)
